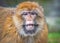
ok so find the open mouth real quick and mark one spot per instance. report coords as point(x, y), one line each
point(30, 28)
point(30, 25)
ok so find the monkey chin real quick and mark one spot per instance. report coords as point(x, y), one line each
point(25, 33)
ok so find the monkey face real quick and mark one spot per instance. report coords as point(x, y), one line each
point(30, 24)
point(28, 19)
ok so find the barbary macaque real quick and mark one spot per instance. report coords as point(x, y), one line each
point(26, 25)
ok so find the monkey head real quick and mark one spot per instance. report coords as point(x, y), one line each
point(28, 18)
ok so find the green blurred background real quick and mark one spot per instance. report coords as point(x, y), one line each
point(52, 14)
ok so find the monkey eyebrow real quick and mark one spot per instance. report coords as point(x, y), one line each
point(21, 12)
point(30, 12)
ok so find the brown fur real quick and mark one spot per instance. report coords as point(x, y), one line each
point(10, 35)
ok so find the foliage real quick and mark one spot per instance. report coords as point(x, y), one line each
point(54, 37)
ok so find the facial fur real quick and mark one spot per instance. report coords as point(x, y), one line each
point(25, 25)
point(19, 21)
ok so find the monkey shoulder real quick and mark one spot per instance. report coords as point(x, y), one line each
point(9, 33)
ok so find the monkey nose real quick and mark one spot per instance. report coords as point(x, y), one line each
point(29, 19)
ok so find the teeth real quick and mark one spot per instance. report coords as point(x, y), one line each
point(29, 27)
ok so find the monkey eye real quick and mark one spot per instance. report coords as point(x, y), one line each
point(33, 13)
point(24, 13)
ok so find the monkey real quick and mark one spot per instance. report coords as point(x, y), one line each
point(26, 25)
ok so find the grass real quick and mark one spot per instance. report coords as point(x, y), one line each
point(54, 38)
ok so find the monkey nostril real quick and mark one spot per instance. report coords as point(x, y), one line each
point(29, 20)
